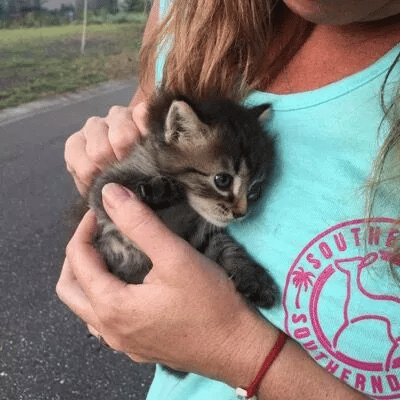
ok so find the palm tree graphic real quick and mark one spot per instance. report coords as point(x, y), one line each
point(302, 279)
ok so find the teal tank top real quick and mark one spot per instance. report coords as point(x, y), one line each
point(339, 300)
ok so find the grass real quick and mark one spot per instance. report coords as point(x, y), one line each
point(38, 62)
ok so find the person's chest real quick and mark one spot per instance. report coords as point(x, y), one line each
point(331, 54)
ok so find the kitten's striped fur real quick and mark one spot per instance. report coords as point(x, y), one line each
point(201, 166)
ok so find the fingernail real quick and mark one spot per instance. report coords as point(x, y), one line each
point(114, 193)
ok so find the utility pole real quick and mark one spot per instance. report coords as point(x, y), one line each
point(84, 27)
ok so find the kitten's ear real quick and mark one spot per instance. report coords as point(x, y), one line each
point(262, 112)
point(182, 125)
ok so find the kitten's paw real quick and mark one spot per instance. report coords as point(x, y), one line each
point(160, 192)
point(259, 288)
point(264, 296)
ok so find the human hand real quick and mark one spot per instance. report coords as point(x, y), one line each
point(102, 141)
point(187, 313)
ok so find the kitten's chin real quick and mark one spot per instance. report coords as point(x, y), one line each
point(220, 224)
point(202, 208)
point(214, 221)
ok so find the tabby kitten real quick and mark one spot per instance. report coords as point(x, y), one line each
point(200, 167)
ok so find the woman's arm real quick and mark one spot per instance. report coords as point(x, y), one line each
point(186, 314)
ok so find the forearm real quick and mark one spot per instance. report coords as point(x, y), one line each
point(293, 375)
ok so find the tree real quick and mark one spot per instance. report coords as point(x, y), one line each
point(113, 7)
point(2, 11)
point(133, 5)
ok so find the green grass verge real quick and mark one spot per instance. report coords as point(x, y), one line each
point(38, 62)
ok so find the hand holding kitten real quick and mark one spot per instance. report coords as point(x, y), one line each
point(187, 313)
point(102, 141)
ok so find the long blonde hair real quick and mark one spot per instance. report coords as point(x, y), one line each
point(223, 46)
point(386, 169)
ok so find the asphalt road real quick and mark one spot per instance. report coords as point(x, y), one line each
point(45, 353)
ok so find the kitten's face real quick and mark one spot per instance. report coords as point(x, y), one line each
point(221, 165)
point(221, 193)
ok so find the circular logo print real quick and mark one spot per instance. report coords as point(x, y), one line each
point(343, 306)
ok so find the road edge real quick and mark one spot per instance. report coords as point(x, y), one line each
point(26, 110)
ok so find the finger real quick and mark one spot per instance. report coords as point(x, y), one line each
point(78, 162)
point(100, 337)
point(93, 331)
point(71, 294)
point(98, 146)
point(83, 189)
point(139, 116)
point(88, 265)
point(140, 359)
point(123, 132)
point(139, 223)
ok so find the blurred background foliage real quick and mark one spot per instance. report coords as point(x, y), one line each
point(40, 48)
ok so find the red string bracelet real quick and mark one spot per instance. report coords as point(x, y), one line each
point(250, 392)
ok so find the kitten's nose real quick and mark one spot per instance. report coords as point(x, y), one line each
point(240, 209)
point(238, 215)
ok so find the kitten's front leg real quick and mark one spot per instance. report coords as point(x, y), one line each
point(250, 278)
point(121, 256)
point(160, 192)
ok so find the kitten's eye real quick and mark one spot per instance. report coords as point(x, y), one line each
point(254, 193)
point(223, 181)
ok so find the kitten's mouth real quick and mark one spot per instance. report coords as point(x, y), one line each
point(221, 223)
point(203, 209)
point(224, 223)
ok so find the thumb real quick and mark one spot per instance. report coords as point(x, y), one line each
point(138, 222)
